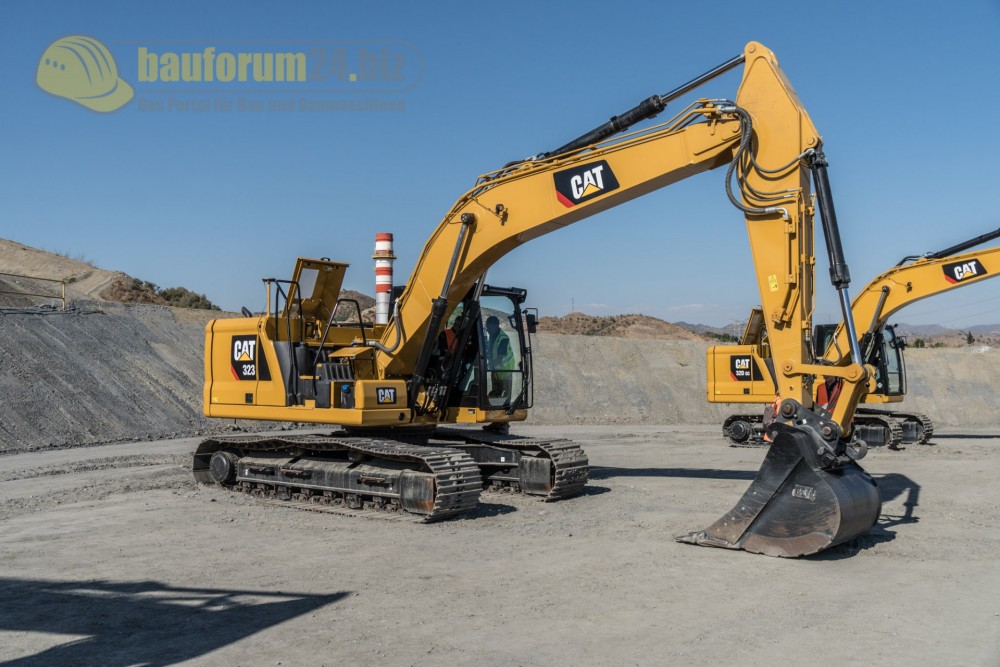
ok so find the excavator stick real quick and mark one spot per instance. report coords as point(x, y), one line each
point(798, 504)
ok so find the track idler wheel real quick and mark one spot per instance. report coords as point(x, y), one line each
point(739, 431)
point(222, 466)
point(801, 501)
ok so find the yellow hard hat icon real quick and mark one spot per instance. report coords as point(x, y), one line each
point(82, 69)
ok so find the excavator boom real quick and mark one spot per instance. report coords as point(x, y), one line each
point(916, 278)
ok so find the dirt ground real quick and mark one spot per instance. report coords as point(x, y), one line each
point(112, 555)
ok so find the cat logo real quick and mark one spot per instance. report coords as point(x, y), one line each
point(742, 368)
point(959, 271)
point(244, 359)
point(584, 182)
point(243, 348)
point(385, 395)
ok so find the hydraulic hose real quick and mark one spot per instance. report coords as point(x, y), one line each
point(648, 108)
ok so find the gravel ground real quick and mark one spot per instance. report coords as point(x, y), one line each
point(112, 555)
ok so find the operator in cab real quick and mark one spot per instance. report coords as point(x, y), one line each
point(500, 358)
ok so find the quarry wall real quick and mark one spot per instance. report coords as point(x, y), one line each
point(106, 372)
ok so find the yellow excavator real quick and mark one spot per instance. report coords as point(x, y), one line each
point(395, 392)
point(744, 373)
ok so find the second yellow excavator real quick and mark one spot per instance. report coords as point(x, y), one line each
point(744, 373)
point(393, 392)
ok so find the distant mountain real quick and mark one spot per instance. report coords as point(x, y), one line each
point(707, 329)
point(985, 329)
point(922, 329)
point(935, 335)
point(938, 330)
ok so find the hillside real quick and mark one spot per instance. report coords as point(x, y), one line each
point(35, 270)
point(618, 326)
point(347, 313)
point(84, 280)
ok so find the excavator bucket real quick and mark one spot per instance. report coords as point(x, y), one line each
point(795, 507)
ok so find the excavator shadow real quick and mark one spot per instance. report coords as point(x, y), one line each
point(142, 622)
point(488, 509)
point(891, 486)
point(964, 436)
point(607, 472)
point(591, 490)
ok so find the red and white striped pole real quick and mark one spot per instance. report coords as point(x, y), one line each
point(383, 276)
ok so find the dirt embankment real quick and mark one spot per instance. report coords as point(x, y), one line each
point(617, 326)
point(104, 372)
point(100, 372)
point(83, 279)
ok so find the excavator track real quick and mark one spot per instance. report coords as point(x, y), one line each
point(878, 428)
point(744, 431)
point(927, 425)
point(344, 474)
point(917, 428)
point(554, 469)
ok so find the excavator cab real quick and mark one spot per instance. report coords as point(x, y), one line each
point(485, 356)
point(886, 356)
point(882, 350)
point(506, 353)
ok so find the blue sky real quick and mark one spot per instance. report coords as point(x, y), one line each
point(903, 93)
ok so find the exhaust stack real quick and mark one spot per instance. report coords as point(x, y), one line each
point(383, 257)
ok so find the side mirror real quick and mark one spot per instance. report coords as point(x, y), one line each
point(246, 312)
point(531, 320)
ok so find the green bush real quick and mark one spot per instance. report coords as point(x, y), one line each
point(133, 290)
point(185, 298)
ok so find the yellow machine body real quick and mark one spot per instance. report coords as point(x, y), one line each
point(319, 370)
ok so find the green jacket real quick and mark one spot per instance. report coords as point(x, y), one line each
point(501, 352)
